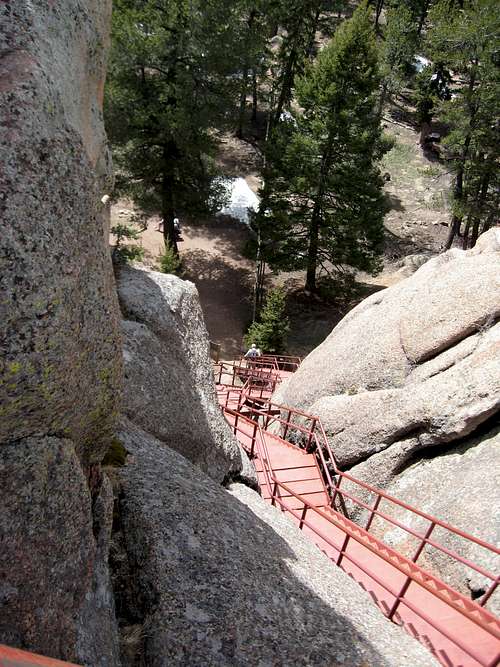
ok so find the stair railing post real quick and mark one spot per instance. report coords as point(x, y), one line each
point(311, 431)
point(275, 493)
point(287, 424)
point(268, 416)
point(342, 549)
point(303, 516)
point(336, 491)
point(372, 512)
point(254, 437)
point(408, 581)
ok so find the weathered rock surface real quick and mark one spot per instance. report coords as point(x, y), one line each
point(406, 374)
point(379, 343)
point(169, 386)
point(60, 361)
point(413, 366)
point(436, 404)
point(97, 642)
point(51, 567)
point(221, 579)
point(59, 369)
point(468, 476)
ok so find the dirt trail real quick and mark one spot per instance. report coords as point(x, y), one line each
point(212, 256)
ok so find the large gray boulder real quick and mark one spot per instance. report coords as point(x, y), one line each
point(462, 486)
point(54, 583)
point(59, 371)
point(169, 385)
point(414, 366)
point(381, 341)
point(411, 374)
point(438, 403)
point(220, 579)
point(60, 361)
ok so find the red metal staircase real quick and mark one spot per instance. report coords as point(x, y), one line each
point(297, 472)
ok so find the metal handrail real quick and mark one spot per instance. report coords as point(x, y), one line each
point(321, 443)
point(15, 657)
point(408, 567)
point(382, 495)
point(270, 412)
point(404, 569)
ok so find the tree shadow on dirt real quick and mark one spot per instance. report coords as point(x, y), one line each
point(225, 291)
point(226, 234)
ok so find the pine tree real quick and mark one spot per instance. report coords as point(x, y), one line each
point(270, 331)
point(397, 51)
point(466, 40)
point(172, 79)
point(322, 204)
point(300, 20)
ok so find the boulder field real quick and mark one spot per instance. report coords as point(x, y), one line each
point(407, 387)
point(170, 558)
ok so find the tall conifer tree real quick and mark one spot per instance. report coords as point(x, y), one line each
point(172, 79)
point(322, 203)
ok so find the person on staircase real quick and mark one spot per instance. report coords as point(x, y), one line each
point(252, 353)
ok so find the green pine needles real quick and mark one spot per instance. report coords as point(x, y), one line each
point(270, 331)
point(322, 204)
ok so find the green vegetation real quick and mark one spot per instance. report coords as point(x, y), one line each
point(170, 83)
point(270, 331)
point(322, 205)
point(168, 261)
point(466, 41)
point(116, 455)
point(124, 253)
point(183, 72)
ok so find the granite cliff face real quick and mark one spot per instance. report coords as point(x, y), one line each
point(188, 578)
point(407, 380)
point(60, 373)
point(60, 368)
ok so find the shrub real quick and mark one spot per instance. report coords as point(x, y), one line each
point(270, 331)
point(123, 254)
point(168, 261)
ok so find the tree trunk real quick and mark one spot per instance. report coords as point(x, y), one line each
point(459, 182)
point(243, 103)
point(286, 86)
point(425, 130)
point(381, 101)
point(312, 36)
point(423, 14)
point(465, 239)
point(485, 184)
point(453, 231)
point(260, 270)
point(254, 95)
point(312, 252)
point(246, 68)
point(167, 197)
point(378, 11)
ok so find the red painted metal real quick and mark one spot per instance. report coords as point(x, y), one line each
point(13, 657)
point(459, 631)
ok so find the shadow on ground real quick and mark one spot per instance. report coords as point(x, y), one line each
point(224, 289)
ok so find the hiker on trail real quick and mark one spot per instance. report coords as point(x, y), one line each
point(253, 352)
point(177, 227)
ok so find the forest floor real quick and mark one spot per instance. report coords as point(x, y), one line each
point(212, 251)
